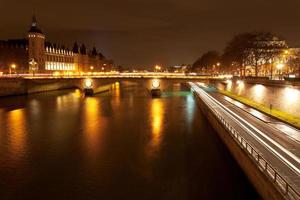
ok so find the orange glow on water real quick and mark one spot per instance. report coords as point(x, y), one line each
point(92, 124)
point(291, 95)
point(94, 127)
point(157, 117)
point(117, 93)
point(259, 92)
point(17, 125)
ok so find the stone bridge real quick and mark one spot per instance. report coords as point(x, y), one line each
point(20, 86)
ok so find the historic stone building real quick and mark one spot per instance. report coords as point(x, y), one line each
point(36, 54)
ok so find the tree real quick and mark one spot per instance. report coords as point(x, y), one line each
point(252, 49)
point(294, 63)
point(265, 48)
point(235, 51)
point(206, 61)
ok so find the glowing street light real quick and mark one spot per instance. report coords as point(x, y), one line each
point(279, 66)
point(155, 83)
point(157, 67)
point(155, 90)
point(12, 66)
point(88, 83)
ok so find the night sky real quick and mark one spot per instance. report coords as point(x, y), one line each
point(140, 33)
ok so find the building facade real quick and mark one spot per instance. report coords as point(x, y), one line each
point(35, 54)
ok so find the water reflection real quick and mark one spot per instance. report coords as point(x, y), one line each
point(84, 149)
point(93, 124)
point(240, 87)
point(62, 101)
point(190, 103)
point(157, 118)
point(35, 107)
point(16, 125)
point(258, 91)
point(117, 94)
point(291, 95)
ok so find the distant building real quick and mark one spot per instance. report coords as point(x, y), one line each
point(265, 52)
point(35, 53)
point(179, 68)
point(293, 61)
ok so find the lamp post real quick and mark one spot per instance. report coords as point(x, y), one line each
point(33, 66)
point(12, 67)
point(218, 67)
point(157, 68)
point(92, 68)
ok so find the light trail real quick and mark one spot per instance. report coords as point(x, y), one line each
point(236, 118)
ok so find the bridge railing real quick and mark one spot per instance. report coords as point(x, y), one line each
point(280, 182)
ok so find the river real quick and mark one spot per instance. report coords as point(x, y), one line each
point(121, 144)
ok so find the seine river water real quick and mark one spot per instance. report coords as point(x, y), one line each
point(117, 145)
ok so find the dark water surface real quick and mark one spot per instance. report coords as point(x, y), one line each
point(118, 145)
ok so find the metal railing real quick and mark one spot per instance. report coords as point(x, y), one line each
point(286, 189)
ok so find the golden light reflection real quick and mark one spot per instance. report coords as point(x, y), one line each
point(259, 92)
point(157, 117)
point(77, 93)
point(117, 92)
point(63, 101)
point(93, 125)
point(291, 95)
point(229, 85)
point(17, 125)
point(240, 86)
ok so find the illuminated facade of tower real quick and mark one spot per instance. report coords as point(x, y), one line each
point(36, 45)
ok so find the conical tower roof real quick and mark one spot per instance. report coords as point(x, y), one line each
point(34, 27)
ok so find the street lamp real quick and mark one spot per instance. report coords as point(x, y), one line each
point(33, 66)
point(88, 83)
point(157, 68)
point(12, 67)
point(92, 68)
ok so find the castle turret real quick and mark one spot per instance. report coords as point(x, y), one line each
point(36, 48)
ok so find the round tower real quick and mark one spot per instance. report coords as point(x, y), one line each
point(36, 46)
